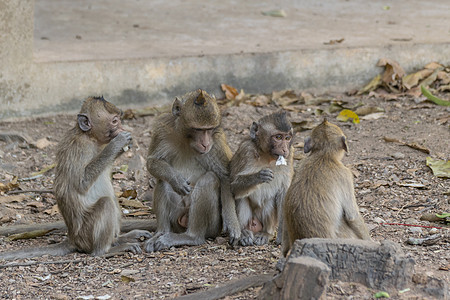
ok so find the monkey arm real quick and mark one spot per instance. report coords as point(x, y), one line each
point(279, 200)
point(243, 185)
point(218, 161)
point(94, 169)
point(229, 216)
point(161, 169)
point(354, 218)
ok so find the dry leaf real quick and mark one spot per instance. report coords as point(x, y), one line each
point(430, 79)
point(132, 203)
point(440, 168)
point(373, 84)
point(433, 66)
point(230, 92)
point(367, 110)
point(52, 211)
point(412, 184)
point(333, 42)
point(43, 143)
point(9, 186)
point(444, 88)
point(393, 71)
point(12, 198)
point(36, 204)
point(444, 77)
point(129, 194)
point(302, 125)
point(259, 100)
point(413, 79)
point(374, 116)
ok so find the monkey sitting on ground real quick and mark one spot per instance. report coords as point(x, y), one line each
point(83, 186)
point(320, 202)
point(189, 157)
point(261, 172)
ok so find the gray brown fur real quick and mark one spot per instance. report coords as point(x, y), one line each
point(83, 186)
point(186, 177)
point(259, 185)
point(321, 200)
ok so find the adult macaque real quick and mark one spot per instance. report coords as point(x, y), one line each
point(83, 186)
point(189, 157)
point(261, 172)
point(320, 202)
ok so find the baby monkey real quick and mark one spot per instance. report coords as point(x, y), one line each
point(320, 202)
point(261, 171)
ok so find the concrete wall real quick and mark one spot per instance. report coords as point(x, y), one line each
point(30, 88)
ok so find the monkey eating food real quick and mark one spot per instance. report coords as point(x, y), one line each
point(320, 202)
point(83, 186)
point(261, 171)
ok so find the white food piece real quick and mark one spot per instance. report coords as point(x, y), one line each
point(281, 161)
point(126, 148)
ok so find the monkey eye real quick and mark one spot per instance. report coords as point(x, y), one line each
point(279, 137)
point(115, 120)
point(288, 138)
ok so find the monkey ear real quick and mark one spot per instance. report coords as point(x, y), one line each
point(344, 143)
point(308, 145)
point(176, 107)
point(253, 130)
point(83, 122)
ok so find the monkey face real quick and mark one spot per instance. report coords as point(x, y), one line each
point(280, 144)
point(100, 119)
point(201, 139)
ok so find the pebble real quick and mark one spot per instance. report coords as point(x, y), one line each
point(434, 230)
point(398, 155)
point(415, 230)
point(379, 220)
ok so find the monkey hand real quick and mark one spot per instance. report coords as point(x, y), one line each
point(234, 231)
point(247, 238)
point(261, 238)
point(265, 175)
point(120, 141)
point(149, 245)
point(181, 186)
point(135, 235)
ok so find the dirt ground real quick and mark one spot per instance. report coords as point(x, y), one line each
point(392, 183)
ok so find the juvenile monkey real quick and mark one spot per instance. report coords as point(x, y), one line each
point(83, 186)
point(189, 157)
point(261, 172)
point(321, 201)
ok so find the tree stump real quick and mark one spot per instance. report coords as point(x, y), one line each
point(383, 267)
point(302, 278)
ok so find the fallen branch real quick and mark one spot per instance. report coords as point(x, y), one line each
point(413, 225)
point(411, 145)
point(230, 288)
point(57, 262)
point(33, 263)
point(127, 225)
point(30, 191)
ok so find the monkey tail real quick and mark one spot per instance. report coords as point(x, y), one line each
point(59, 249)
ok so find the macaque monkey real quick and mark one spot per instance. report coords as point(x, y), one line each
point(189, 157)
point(320, 202)
point(83, 186)
point(261, 172)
